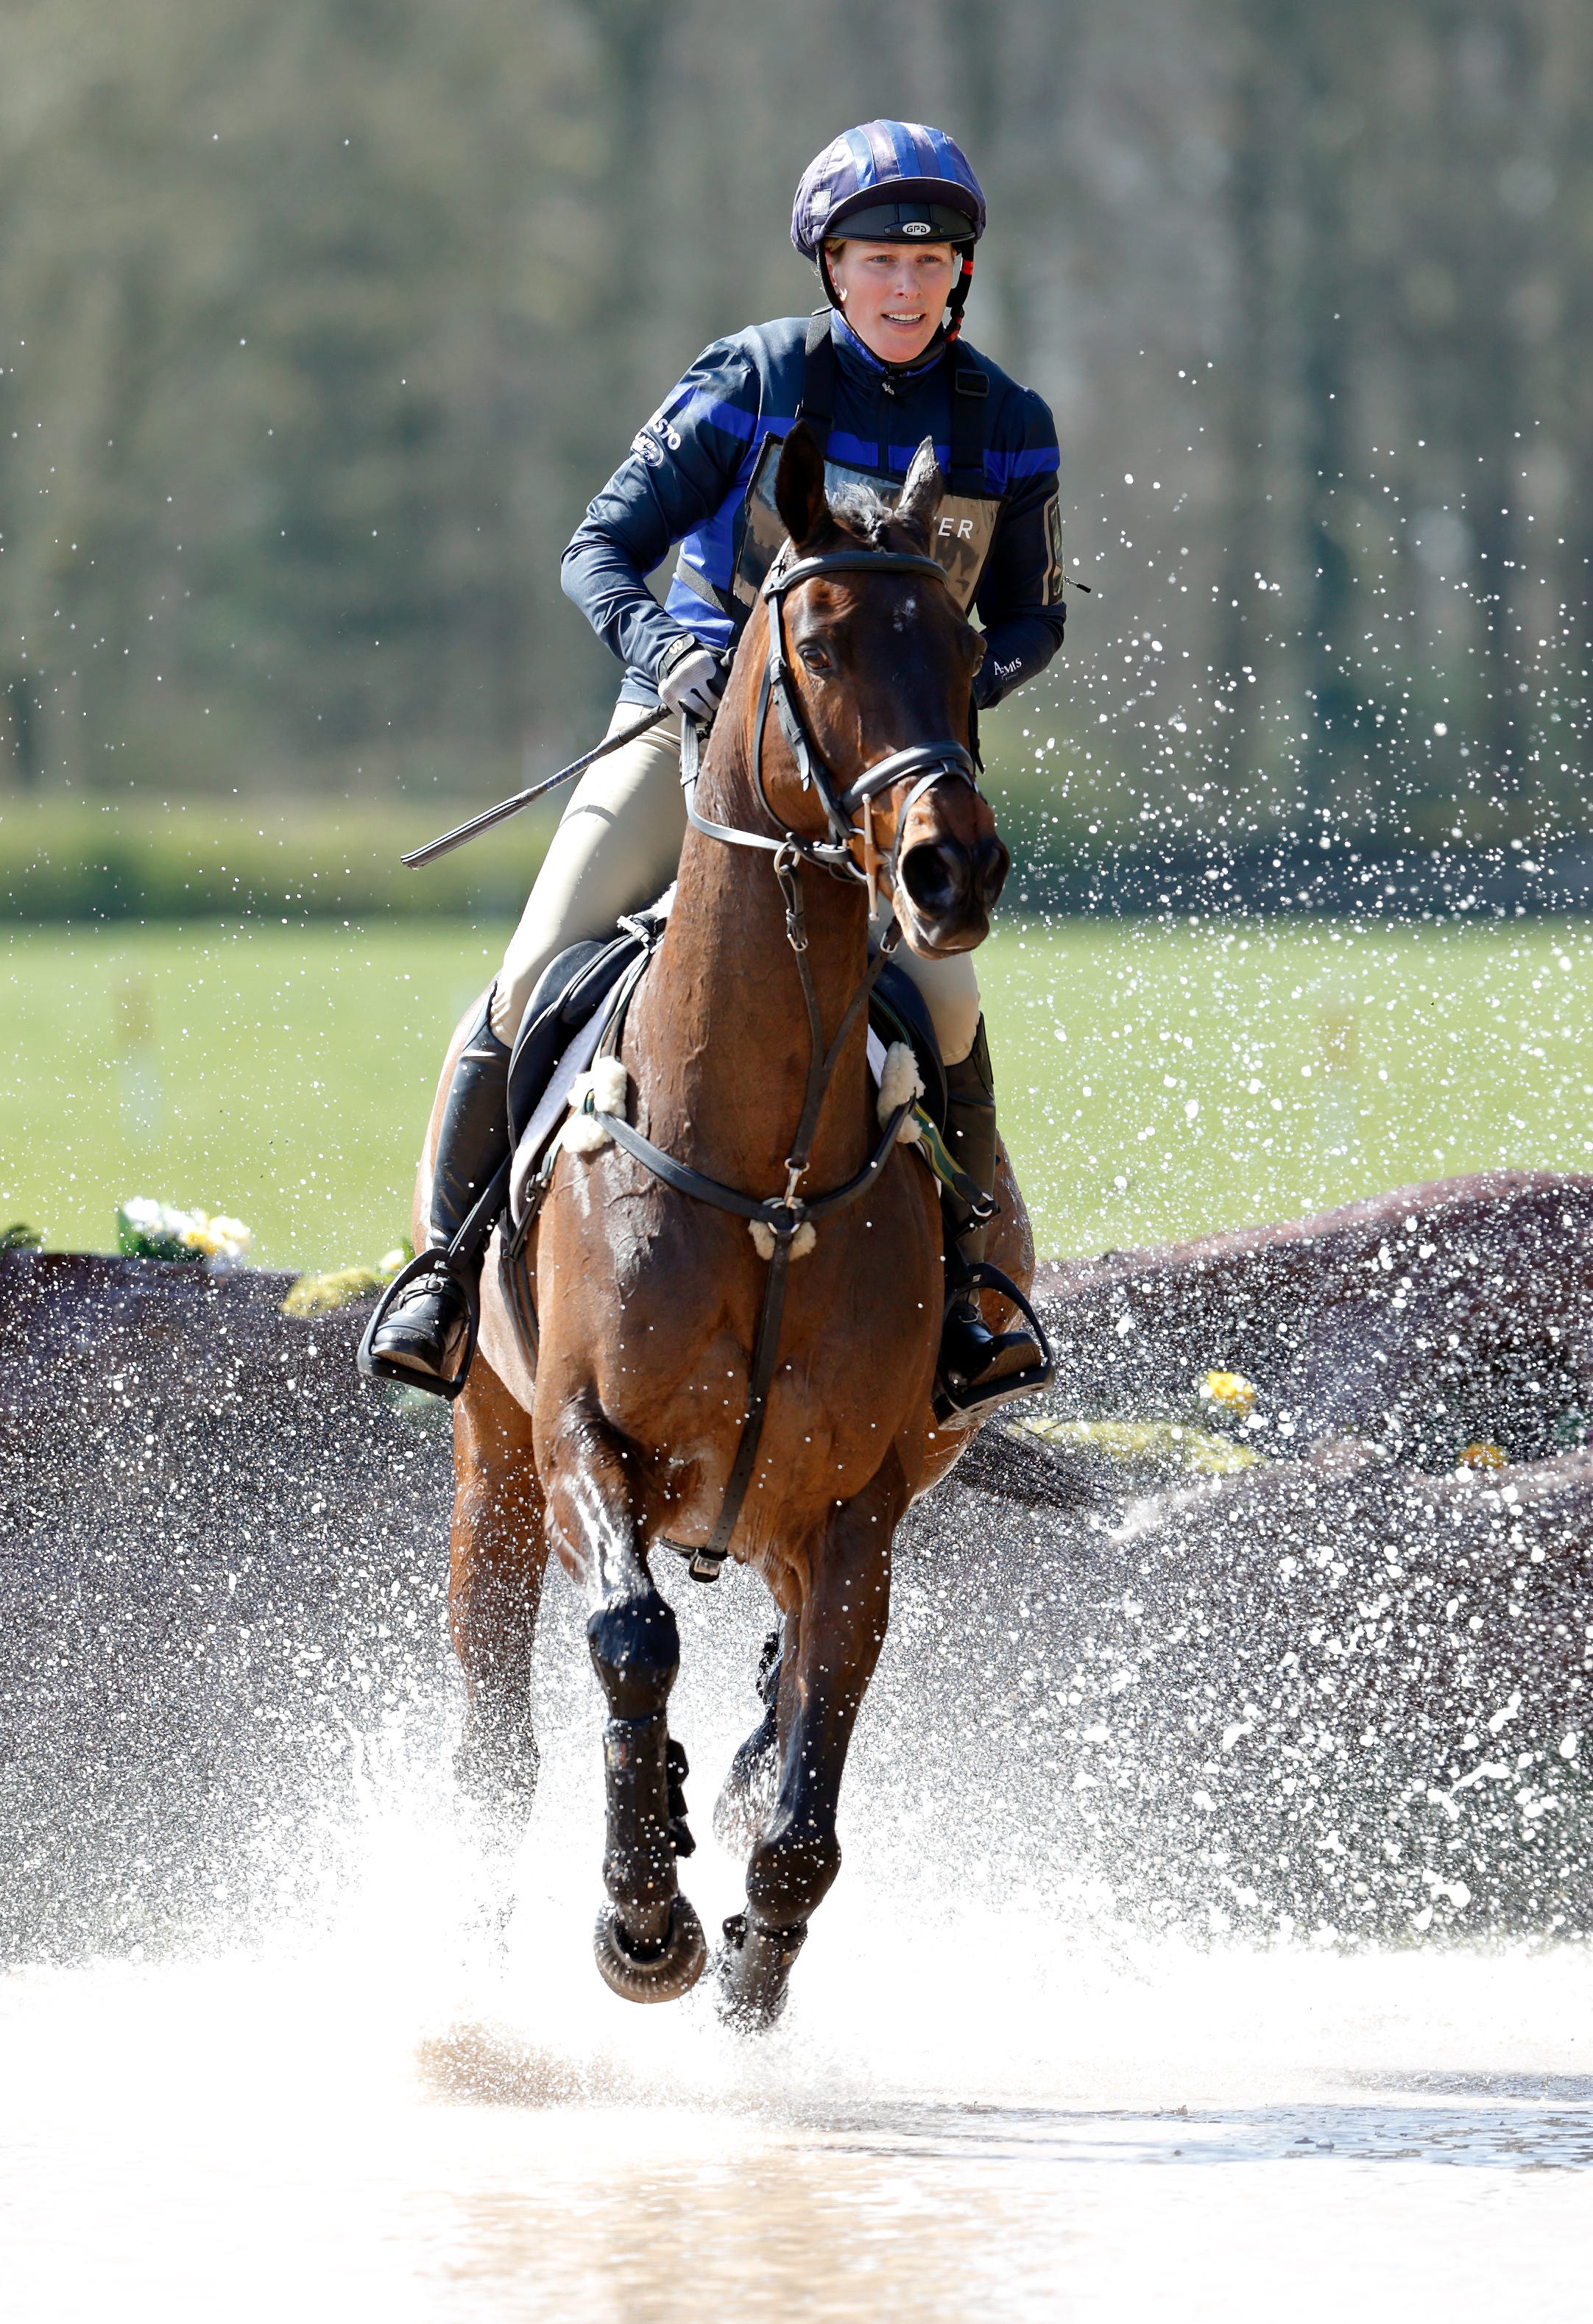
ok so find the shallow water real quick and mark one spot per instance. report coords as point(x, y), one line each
point(952, 2136)
point(1013, 2107)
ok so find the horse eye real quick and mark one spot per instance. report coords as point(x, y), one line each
point(817, 660)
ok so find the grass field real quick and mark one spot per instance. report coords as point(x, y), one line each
point(1156, 1082)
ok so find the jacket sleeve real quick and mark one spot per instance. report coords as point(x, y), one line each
point(1020, 596)
point(680, 467)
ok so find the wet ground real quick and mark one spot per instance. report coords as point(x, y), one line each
point(1086, 2030)
point(977, 2118)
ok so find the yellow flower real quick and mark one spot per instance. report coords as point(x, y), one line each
point(1485, 1456)
point(1160, 1445)
point(151, 1229)
point(217, 1237)
point(318, 1295)
point(1228, 1392)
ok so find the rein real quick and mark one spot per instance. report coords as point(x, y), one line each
point(784, 1216)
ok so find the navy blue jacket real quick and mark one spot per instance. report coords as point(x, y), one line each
point(688, 470)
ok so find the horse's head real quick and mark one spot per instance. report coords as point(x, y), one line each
point(883, 662)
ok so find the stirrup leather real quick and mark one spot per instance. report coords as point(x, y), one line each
point(957, 1405)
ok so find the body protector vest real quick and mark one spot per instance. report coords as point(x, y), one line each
point(964, 528)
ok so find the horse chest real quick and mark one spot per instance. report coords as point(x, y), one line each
point(659, 1327)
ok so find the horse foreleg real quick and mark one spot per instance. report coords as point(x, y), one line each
point(828, 1659)
point(499, 1553)
point(648, 1941)
point(748, 1792)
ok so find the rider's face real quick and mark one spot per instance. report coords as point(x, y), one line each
point(894, 293)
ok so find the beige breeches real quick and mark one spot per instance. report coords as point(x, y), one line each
point(618, 847)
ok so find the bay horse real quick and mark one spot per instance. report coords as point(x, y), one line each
point(622, 1435)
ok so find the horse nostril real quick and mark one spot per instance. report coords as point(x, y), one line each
point(937, 875)
point(992, 862)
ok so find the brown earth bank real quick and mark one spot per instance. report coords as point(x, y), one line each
point(1343, 1692)
point(222, 1574)
point(1426, 1319)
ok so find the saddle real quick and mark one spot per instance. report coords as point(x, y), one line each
point(580, 991)
point(572, 1006)
point(579, 1003)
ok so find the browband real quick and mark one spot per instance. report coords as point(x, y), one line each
point(781, 577)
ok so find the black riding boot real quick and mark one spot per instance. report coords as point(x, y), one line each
point(968, 1348)
point(425, 1328)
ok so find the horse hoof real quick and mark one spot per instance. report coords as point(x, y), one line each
point(665, 1975)
point(755, 1973)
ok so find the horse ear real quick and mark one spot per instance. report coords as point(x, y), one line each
point(799, 486)
point(924, 491)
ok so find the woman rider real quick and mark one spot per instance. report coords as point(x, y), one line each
point(889, 213)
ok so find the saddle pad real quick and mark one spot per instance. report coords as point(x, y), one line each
point(897, 1012)
point(930, 1141)
point(552, 1106)
point(890, 1023)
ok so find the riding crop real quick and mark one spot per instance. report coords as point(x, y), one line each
point(507, 807)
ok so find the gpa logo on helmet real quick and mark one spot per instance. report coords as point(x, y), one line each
point(914, 225)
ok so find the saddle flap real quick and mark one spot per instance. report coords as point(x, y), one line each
point(897, 1012)
point(548, 1110)
point(567, 994)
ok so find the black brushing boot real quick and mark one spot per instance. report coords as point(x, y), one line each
point(422, 1331)
point(969, 1350)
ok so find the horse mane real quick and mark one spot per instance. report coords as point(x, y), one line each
point(857, 509)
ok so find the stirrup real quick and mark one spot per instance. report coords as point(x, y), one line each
point(960, 1407)
point(374, 1367)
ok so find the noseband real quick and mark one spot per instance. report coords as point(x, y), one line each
point(932, 762)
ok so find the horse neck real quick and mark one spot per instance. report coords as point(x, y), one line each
point(725, 1029)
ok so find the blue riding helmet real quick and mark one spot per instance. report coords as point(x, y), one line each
point(888, 181)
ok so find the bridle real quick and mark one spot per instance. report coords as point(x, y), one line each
point(784, 1216)
point(932, 762)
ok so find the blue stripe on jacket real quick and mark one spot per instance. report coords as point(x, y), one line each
point(686, 477)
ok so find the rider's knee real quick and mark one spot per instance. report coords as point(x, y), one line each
point(950, 990)
point(636, 1650)
point(616, 850)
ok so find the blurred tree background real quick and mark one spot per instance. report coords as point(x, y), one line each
point(321, 320)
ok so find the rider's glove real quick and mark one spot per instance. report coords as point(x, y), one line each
point(691, 679)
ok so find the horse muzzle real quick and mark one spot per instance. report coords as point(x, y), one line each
point(947, 889)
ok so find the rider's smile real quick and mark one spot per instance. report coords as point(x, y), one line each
point(893, 295)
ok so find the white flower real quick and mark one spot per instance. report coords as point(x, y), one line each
point(151, 1229)
point(220, 1239)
